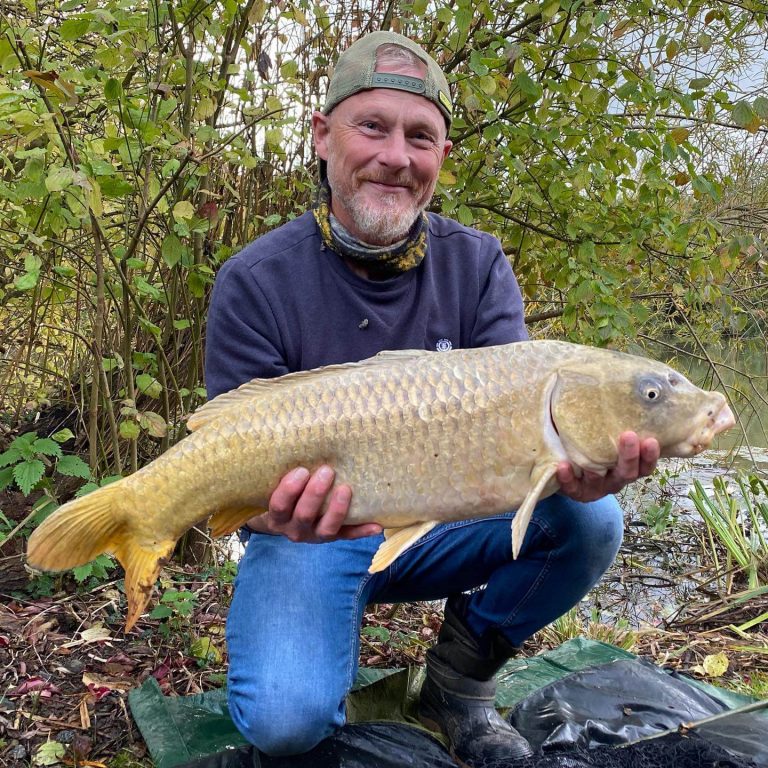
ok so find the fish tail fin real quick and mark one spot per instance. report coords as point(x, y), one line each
point(541, 477)
point(84, 528)
point(78, 531)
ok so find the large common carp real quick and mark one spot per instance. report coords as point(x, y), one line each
point(421, 437)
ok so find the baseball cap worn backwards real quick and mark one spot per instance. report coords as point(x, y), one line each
point(355, 71)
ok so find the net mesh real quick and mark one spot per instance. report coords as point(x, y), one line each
point(670, 751)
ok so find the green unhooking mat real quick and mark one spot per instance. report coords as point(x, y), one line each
point(575, 705)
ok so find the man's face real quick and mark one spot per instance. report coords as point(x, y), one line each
point(384, 149)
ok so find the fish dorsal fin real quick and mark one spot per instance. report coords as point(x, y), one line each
point(259, 387)
point(397, 540)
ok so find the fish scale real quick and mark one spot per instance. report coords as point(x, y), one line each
point(421, 438)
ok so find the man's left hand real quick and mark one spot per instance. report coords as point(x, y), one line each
point(636, 459)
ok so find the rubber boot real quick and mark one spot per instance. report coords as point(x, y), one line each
point(459, 691)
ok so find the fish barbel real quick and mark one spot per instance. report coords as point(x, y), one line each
point(421, 438)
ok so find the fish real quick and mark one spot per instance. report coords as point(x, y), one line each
point(421, 438)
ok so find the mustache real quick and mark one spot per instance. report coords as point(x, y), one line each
point(397, 181)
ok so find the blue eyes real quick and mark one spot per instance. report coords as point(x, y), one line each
point(421, 138)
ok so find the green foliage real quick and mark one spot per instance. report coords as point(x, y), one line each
point(174, 609)
point(125, 759)
point(610, 147)
point(227, 572)
point(737, 527)
point(25, 461)
point(49, 753)
point(42, 585)
point(659, 517)
point(6, 526)
point(571, 625)
point(95, 571)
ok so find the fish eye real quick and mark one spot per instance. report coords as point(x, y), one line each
point(650, 389)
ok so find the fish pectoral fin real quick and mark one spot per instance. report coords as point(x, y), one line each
point(396, 541)
point(142, 567)
point(230, 519)
point(541, 475)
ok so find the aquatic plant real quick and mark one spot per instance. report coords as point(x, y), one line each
point(736, 527)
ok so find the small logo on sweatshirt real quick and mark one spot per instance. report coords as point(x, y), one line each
point(444, 345)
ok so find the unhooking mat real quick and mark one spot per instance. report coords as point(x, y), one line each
point(584, 704)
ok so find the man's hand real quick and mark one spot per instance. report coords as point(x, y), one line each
point(296, 509)
point(636, 459)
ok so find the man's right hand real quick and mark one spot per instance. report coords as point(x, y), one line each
point(296, 509)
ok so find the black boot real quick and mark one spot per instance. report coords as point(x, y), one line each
point(459, 692)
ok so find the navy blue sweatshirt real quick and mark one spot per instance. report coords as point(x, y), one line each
point(287, 303)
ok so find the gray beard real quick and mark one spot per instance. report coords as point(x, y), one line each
point(377, 224)
point(381, 226)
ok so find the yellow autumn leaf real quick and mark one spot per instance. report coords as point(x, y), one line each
point(204, 648)
point(183, 210)
point(446, 178)
point(95, 202)
point(715, 664)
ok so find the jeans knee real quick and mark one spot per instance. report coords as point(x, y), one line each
point(287, 727)
point(592, 532)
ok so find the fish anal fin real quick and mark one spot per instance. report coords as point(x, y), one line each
point(230, 519)
point(541, 476)
point(142, 567)
point(396, 541)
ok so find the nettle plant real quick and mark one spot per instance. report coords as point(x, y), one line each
point(26, 461)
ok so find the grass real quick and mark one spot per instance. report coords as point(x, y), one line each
point(754, 684)
point(736, 527)
point(571, 625)
point(125, 759)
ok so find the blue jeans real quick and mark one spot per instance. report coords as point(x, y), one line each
point(293, 627)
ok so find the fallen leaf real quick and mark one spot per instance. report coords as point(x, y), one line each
point(34, 684)
point(203, 648)
point(715, 664)
point(94, 634)
point(85, 717)
point(119, 664)
point(49, 753)
point(161, 671)
point(100, 686)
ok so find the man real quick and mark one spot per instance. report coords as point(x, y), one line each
point(368, 270)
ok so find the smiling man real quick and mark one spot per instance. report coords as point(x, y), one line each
point(366, 270)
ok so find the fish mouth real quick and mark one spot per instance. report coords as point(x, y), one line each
point(702, 438)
